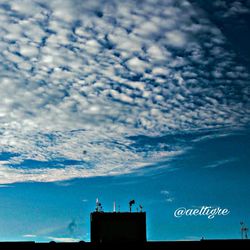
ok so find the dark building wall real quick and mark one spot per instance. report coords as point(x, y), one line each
point(163, 245)
point(118, 227)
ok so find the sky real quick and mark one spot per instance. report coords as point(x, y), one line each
point(121, 100)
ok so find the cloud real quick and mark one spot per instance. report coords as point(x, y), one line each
point(171, 199)
point(165, 192)
point(220, 163)
point(232, 8)
point(63, 239)
point(29, 236)
point(167, 196)
point(87, 77)
point(176, 38)
point(110, 165)
point(191, 238)
point(5, 186)
point(137, 65)
point(67, 231)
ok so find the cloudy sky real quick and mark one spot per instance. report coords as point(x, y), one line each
point(123, 99)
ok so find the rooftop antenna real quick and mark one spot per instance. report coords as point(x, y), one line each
point(132, 202)
point(244, 229)
point(98, 207)
point(141, 207)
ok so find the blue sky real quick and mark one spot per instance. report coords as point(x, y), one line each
point(118, 100)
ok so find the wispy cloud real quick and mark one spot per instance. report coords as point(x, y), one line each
point(219, 163)
point(29, 236)
point(77, 80)
point(232, 8)
point(191, 238)
point(63, 239)
point(5, 186)
point(167, 196)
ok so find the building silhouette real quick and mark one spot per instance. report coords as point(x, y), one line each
point(118, 227)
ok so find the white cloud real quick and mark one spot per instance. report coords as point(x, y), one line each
point(176, 38)
point(73, 81)
point(29, 236)
point(157, 53)
point(147, 28)
point(137, 65)
point(167, 196)
point(220, 163)
point(236, 8)
point(165, 192)
point(160, 71)
point(5, 186)
point(29, 50)
point(63, 239)
point(171, 199)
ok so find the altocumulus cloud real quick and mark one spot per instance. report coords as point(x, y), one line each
point(79, 79)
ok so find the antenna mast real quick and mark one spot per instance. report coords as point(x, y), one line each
point(132, 202)
point(244, 230)
point(98, 207)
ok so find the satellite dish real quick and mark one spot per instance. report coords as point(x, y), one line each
point(132, 202)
